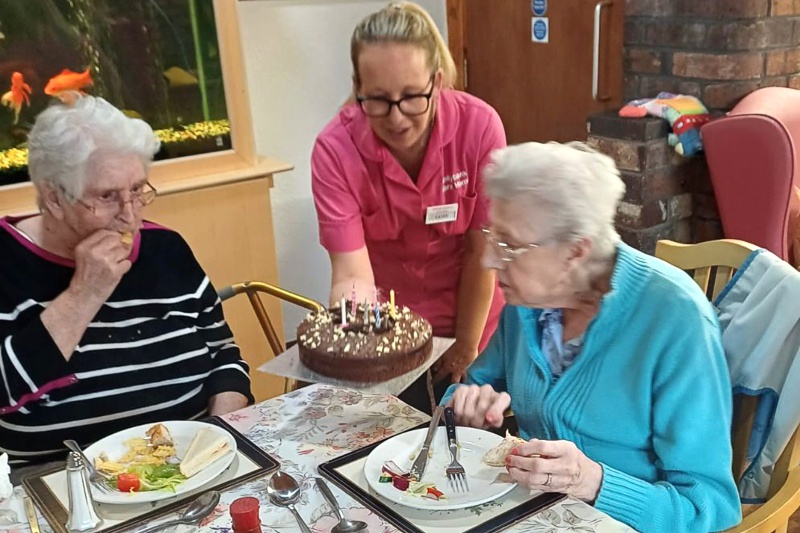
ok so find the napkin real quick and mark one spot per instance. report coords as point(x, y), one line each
point(12, 509)
point(6, 489)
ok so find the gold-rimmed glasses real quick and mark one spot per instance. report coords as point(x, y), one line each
point(113, 202)
point(506, 251)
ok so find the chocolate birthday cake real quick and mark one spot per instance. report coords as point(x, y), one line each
point(365, 346)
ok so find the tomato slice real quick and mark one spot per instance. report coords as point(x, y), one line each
point(128, 483)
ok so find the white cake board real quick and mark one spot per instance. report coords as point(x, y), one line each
point(288, 365)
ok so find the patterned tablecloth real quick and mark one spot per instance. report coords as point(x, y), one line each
point(317, 423)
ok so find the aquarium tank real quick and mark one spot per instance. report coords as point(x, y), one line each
point(157, 60)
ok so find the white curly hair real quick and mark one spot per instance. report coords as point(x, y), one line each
point(579, 187)
point(66, 139)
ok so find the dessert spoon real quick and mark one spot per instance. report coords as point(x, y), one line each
point(344, 525)
point(284, 491)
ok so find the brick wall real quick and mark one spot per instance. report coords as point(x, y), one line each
point(658, 192)
point(716, 50)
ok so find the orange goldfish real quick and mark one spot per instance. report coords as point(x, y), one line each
point(19, 94)
point(68, 81)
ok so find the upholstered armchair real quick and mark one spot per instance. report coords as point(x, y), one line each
point(753, 154)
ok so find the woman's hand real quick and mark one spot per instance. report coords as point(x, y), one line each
point(454, 362)
point(555, 466)
point(479, 406)
point(101, 260)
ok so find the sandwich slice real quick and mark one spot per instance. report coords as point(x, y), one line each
point(497, 455)
point(206, 447)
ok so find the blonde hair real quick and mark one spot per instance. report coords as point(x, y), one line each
point(404, 22)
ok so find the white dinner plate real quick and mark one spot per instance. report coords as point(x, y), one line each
point(182, 431)
point(486, 483)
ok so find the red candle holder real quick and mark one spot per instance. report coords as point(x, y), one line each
point(245, 516)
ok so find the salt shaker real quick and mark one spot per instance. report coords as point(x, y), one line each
point(82, 514)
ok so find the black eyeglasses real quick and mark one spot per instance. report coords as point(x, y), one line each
point(410, 105)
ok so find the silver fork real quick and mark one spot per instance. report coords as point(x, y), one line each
point(456, 474)
point(97, 478)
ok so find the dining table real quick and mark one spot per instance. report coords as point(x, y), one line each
point(309, 426)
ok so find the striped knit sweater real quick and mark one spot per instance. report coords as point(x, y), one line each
point(158, 349)
point(648, 397)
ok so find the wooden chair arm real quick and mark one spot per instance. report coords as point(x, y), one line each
point(774, 514)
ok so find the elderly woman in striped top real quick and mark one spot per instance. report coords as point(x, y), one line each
point(106, 321)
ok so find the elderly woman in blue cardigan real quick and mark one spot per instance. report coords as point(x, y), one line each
point(610, 359)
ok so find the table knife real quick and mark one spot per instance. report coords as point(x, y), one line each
point(418, 468)
point(31, 512)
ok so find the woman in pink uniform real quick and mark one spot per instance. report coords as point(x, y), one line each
point(398, 190)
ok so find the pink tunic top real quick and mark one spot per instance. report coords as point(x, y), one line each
point(364, 197)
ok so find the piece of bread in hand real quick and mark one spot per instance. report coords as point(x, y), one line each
point(159, 436)
point(127, 239)
point(497, 455)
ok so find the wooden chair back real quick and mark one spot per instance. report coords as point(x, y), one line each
point(712, 264)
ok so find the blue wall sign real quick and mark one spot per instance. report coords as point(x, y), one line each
point(540, 30)
point(539, 7)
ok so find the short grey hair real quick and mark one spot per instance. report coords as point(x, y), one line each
point(65, 139)
point(579, 187)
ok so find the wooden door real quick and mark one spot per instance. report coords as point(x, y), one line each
point(542, 91)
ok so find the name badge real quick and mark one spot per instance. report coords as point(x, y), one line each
point(437, 214)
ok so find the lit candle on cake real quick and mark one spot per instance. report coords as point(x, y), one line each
point(377, 316)
point(353, 301)
point(366, 313)
point(391, 303)
point(344, 312)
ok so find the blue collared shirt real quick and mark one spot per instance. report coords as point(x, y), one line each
point(560, 356)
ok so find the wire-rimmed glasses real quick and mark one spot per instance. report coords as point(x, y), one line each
point(112, 201)
point(505, 251)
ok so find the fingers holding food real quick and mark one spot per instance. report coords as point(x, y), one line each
point(497, 455)
point(126, 237)
point(100, 262)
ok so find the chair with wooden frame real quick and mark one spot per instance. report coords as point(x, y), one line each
point(253, 289)
point(712, 264)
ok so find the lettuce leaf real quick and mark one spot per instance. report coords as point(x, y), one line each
point(158, 477)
